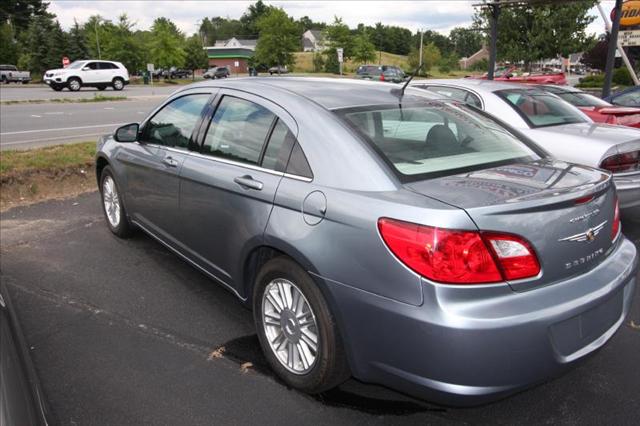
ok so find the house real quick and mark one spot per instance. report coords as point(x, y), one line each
point(481, 54)
point(312, 41)
point(233, 53)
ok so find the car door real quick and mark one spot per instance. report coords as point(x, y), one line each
point(107, 72)
point(228, 188)
point(152, 165)
point(90, 73)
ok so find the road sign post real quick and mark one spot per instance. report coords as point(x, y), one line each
point(150, 69)
point(340, 52)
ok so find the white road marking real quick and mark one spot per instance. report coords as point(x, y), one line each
point(54, 113)
point(109, 108)
point(69, 137)
point(36, 116)
point(62, 128)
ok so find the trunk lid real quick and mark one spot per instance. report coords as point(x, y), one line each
point(564, 210)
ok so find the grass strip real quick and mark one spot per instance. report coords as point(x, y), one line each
point(96, 98)
point(47, 159)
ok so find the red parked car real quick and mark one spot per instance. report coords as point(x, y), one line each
point(510, 75)
point(598, 110)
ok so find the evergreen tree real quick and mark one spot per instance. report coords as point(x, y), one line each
point(77, 43)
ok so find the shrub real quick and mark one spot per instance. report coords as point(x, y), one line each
point(622, 76)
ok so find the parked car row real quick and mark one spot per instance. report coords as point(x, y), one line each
point(216, 72)
point(441, 240)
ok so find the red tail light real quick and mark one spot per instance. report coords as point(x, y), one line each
point(615, 229)
point(459, 257)
point(627, 162)
point(381, 77)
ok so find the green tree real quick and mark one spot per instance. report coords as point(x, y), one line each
point(196, 56)
point(166, 44)
point(8, 46)
point(466, 41)
point(20, 13)
point(363, 50)
point(77, 43)
point(430, 57)
point(278, 39)
point(338, 35)
point(250, 18)
point(122, 45)
point(537, 31)
point(331, 63)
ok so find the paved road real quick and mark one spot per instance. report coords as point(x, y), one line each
point(121, 332)
point(15, 92)
point(30, 125)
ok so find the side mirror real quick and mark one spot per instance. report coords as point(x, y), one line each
point(86, 69)
point(127, 133)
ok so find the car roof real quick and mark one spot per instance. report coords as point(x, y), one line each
point(331, 93)
point(478, 85)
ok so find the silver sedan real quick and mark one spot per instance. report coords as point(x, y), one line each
point(557, 126)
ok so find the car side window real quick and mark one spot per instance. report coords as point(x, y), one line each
point(630, 99)
point(473, 100)
point(298, 164)
point(108, 66)
point(451, 92)
point(92, 66)
point(238, 130)
point(279, 147)
point(173, 125)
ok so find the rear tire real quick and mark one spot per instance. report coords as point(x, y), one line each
point(74, 84)
point(112, 206)
point(287, 339)
point(118, 84)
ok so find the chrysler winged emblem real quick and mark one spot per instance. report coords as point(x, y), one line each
point(588, 235)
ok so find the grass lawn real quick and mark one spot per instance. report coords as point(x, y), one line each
point(48, 159)
point(96, 98)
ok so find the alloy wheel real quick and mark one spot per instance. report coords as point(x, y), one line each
point(290, 326)
point(111, 201)
point(117, 84)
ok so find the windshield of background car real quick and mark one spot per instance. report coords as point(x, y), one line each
point(583, 99)
point(428, 139)
point(541, 109)
point(76, 65)
point(631, 99)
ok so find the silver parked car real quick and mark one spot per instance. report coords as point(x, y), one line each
point(394, 237)
point(559, 127)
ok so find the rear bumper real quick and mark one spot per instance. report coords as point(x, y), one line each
point(628, 189)
point(461, 349)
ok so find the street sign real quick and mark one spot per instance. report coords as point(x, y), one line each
point(340, 51)
point(629, 38)
point(150, 68)
point(65, 61)
point(630, 13)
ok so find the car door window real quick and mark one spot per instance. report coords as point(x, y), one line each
point(279, 148)
point(298, 164)
point(173, 125)
point(630, 99)
point(93, 66)
point(108, 66)
point(238, 130)
point(473, 100)
point(450, 92)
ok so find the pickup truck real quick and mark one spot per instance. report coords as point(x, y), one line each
point(9, 73)
point(511, 75)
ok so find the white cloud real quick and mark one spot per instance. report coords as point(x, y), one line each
point(434, 15)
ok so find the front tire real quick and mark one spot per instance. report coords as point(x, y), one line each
point(74, 84)
point(112, 206)
point(118, 84)
point(296, 328)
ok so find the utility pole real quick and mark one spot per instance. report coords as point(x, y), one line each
point(495, 13)
point(95, 27)
point(611, 52)
point(421, 38)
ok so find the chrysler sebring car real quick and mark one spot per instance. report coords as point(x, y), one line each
point(387, 235)
point(559, 127)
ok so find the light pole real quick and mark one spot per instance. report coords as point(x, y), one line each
point(95, 27)
point(421, 38)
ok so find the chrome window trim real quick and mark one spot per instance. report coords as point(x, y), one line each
point(235, 163)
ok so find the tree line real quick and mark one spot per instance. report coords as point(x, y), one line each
point(33, 39)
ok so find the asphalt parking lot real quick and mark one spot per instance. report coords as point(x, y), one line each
point(123, 332)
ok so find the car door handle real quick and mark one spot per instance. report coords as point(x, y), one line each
point(170, 162)
point(248, 182)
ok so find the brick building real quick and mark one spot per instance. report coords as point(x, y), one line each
point(233, 53)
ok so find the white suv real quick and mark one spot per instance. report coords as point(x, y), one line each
point(94, 73)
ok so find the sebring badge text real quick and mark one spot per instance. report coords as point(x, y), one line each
point(582, 260)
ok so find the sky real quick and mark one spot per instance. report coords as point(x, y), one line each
point(434, 15)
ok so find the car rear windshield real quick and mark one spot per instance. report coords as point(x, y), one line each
point(541, 109)
point(580, 99)
point(369, 69)
point(434, 139)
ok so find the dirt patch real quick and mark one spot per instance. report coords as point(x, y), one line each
point(32, 186)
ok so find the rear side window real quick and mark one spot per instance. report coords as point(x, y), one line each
point(298, 164)
point(424, 140)
point(279, 148)
point(238, 130)
point(108, 66)
point(173, 125)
